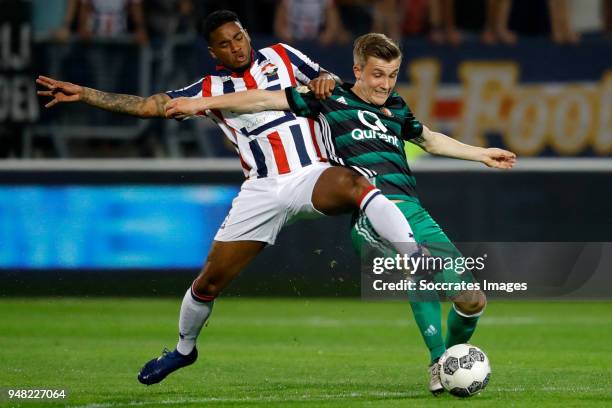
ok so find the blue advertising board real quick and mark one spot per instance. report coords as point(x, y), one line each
point(94, 227)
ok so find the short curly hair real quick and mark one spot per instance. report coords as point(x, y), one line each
point(215, 20)
point(375, 45)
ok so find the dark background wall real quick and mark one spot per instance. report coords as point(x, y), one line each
point(315, 258)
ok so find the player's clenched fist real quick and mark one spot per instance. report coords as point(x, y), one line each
point(180, 108)
point(59, 91)
point(322, 86)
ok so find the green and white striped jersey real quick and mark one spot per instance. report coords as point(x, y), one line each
point(363, 136)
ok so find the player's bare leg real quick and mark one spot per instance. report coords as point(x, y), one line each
point(339, 190)
point(225, 261)
point(470, 302)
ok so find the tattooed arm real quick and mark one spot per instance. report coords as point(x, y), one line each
point(150, 107)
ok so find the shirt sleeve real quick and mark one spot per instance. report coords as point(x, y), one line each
point(302, 102)
point(412, 128)
point(305, 68)
point(190, 91)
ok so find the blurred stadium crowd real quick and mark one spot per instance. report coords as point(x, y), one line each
point(328, 21)
point(147, 46)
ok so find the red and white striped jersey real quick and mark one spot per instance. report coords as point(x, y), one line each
point(268, 143)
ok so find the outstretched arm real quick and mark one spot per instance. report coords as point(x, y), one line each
point(442, 145)
point(60, 91)
point(255, 100)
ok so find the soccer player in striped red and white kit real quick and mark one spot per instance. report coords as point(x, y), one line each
point(290, 142)
point(288, 176)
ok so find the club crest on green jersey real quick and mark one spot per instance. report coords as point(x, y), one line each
point(386, 111)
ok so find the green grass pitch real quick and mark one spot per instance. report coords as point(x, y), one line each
point(298, 352)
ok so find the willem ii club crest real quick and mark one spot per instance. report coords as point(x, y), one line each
point(269, 69)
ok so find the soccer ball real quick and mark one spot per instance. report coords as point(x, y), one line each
point(464, 370)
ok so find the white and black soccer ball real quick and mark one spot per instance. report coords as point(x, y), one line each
point(464, 370)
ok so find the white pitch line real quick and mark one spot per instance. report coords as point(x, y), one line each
point(280, 398)
point(322, 397)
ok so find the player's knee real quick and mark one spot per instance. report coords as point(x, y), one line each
point(472, 303)
point(480, 303)
point(360, 186)
point(204, 286)
point(361, 183)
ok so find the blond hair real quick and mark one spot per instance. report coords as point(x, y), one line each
point(375, 45)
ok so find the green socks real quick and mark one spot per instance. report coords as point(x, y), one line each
point(428, 317)
point(460, 327)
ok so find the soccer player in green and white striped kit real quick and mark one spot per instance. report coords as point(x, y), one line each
point(364, 127)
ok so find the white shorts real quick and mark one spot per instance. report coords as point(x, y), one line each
point(263, 206)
